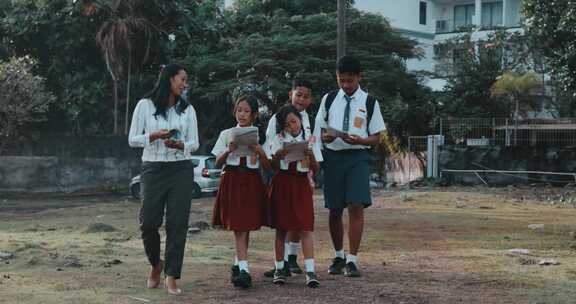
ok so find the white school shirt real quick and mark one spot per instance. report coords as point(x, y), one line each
point(357, 122)
point(271, 133)
point(277, 143)
point(221, 146)
point(144, 123)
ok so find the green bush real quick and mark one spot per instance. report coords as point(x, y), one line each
point(23, 98)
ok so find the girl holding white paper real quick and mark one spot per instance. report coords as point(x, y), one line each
point(241, 200)
point(291, 201)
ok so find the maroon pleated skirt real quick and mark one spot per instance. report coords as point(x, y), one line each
point(291, 202)
point(241, 202)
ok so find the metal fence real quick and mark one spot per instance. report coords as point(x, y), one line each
point(508, 132)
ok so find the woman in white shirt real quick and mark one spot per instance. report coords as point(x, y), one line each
point(165, 125)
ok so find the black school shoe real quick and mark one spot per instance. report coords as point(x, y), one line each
point(312, 280)
point(352, 271)
point(234, 272)
point(279, 276)
point(270, 273)
point(293, 264)
point(337, 266)
point(243, 280)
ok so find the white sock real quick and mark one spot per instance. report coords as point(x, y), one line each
point(309, 265)
point(279, 265)
point(235, 261)
point(294, 248)
point(286, 251)
point(243, 266)
point(352, 258)
point(340, 254)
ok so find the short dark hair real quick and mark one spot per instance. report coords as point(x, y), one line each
point(299, 82)
point(348, 64)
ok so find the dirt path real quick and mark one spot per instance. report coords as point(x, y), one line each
point(419, 247)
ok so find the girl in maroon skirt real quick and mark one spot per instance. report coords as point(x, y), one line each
point(291, 202)
point(241, 200)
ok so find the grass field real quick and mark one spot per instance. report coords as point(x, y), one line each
point(433, 246)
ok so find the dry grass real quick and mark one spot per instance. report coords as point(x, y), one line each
point(419, 247)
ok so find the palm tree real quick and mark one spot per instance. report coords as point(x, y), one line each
point(516, 86)
point(116, 38)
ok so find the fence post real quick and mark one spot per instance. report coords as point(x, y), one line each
point(409, 160)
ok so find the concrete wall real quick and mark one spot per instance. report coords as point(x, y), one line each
point(63, 174)
point(56, 163)
point(524, 158)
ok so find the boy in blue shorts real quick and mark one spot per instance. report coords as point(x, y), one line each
point(349, 122)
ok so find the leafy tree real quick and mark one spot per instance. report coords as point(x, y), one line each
point(471, 69)
point(515, 86)
point(552, 27)
point(261, 53)
point(23, 99)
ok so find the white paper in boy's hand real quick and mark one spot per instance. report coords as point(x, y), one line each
point(244, 138)
point(335, 133)
point(296, 151)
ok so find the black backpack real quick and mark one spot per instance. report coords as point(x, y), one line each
point(370, 103)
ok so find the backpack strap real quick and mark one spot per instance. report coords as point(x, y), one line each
point(370, 104)
point(328, 103)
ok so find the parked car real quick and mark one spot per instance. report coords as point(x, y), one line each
point(206, 177)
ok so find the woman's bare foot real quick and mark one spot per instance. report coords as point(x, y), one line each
point(154, 275)
point(171, 286)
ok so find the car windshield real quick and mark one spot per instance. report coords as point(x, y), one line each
point(211, 163)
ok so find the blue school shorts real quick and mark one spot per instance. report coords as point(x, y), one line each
point(346, 178)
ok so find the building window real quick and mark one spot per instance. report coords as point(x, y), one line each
point(423, 12)
point(492, 14)
point(463, 15)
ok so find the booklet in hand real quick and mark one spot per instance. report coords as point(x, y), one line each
point(335, 133)
point(175, 134)
point(244, 138)
point(296, 151)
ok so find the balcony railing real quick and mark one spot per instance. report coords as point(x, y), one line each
point(447, 26)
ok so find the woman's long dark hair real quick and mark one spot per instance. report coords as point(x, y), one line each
point(282, 115)
point(161, 92)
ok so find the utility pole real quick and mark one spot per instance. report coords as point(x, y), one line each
point(341, 39)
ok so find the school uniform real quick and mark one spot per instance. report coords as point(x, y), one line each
point(241, 203)
point(346, 166)
point(291, 201)
point(167, 178)
point(272, 131)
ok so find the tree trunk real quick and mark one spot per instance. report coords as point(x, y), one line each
point(115, 85)
point(127, 116)
point(341, 29)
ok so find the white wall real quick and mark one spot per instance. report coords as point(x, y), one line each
point(402, 14)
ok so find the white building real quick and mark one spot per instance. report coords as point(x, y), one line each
point(433, 21)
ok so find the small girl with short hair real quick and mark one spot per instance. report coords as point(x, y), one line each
point(291, 201)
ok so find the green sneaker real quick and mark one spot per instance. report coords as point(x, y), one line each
point(270, 273)
point(293, 264)
point(279, 276)
point(243, 280)
point(352, 271)
point(312, 280)
point(337, 266)
point(234, 272)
